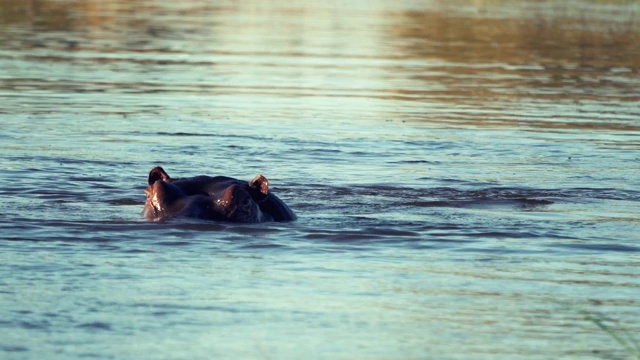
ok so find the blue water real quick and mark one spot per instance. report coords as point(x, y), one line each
point(466, 177)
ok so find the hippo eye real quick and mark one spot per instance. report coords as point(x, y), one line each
point(246, 205)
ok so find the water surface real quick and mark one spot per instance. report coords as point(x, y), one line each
point(466, 176)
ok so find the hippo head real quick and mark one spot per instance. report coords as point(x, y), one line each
point(212, 198)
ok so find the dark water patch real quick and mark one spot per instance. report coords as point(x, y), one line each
point(435, 203)
point(600, 247)
point(498, 251)
point(95, 326)
point(185, 134)
point(414, 162)
point(603, 193)
point(34, 324)
point(135, 251)
point(126, 202)
point(392, 232)
point(261, 245)
point(438, 237)
point(378, 197)
point(23, 238)
point(523, 204)
point(323, 151)
point(163, 313)
point(173, 243)
point(13, 348)
point(504, 235)
point(522, 197)
point(351, 237)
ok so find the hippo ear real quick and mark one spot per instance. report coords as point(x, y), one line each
point(158, 173)
point(260, 186)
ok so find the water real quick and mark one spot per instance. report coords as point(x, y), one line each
point(466, 176)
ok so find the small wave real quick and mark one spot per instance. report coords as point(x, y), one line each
point(262, 246)
point(125, 202)
point(601, 247)
point(342, 236)
point(96, 325)
point(523, 204)
point(34, 325)
point(173, 243)
point(13, 348)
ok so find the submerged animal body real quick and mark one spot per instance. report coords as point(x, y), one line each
point(217, 198)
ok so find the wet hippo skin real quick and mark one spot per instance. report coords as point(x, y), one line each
point(217, 198)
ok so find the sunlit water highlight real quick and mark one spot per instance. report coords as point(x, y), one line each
point(466, 176)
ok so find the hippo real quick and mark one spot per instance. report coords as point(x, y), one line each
point(217, 198)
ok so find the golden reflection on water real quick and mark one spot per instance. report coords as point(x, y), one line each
point(491, 56)
point(573, 33)
point(582, 33)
